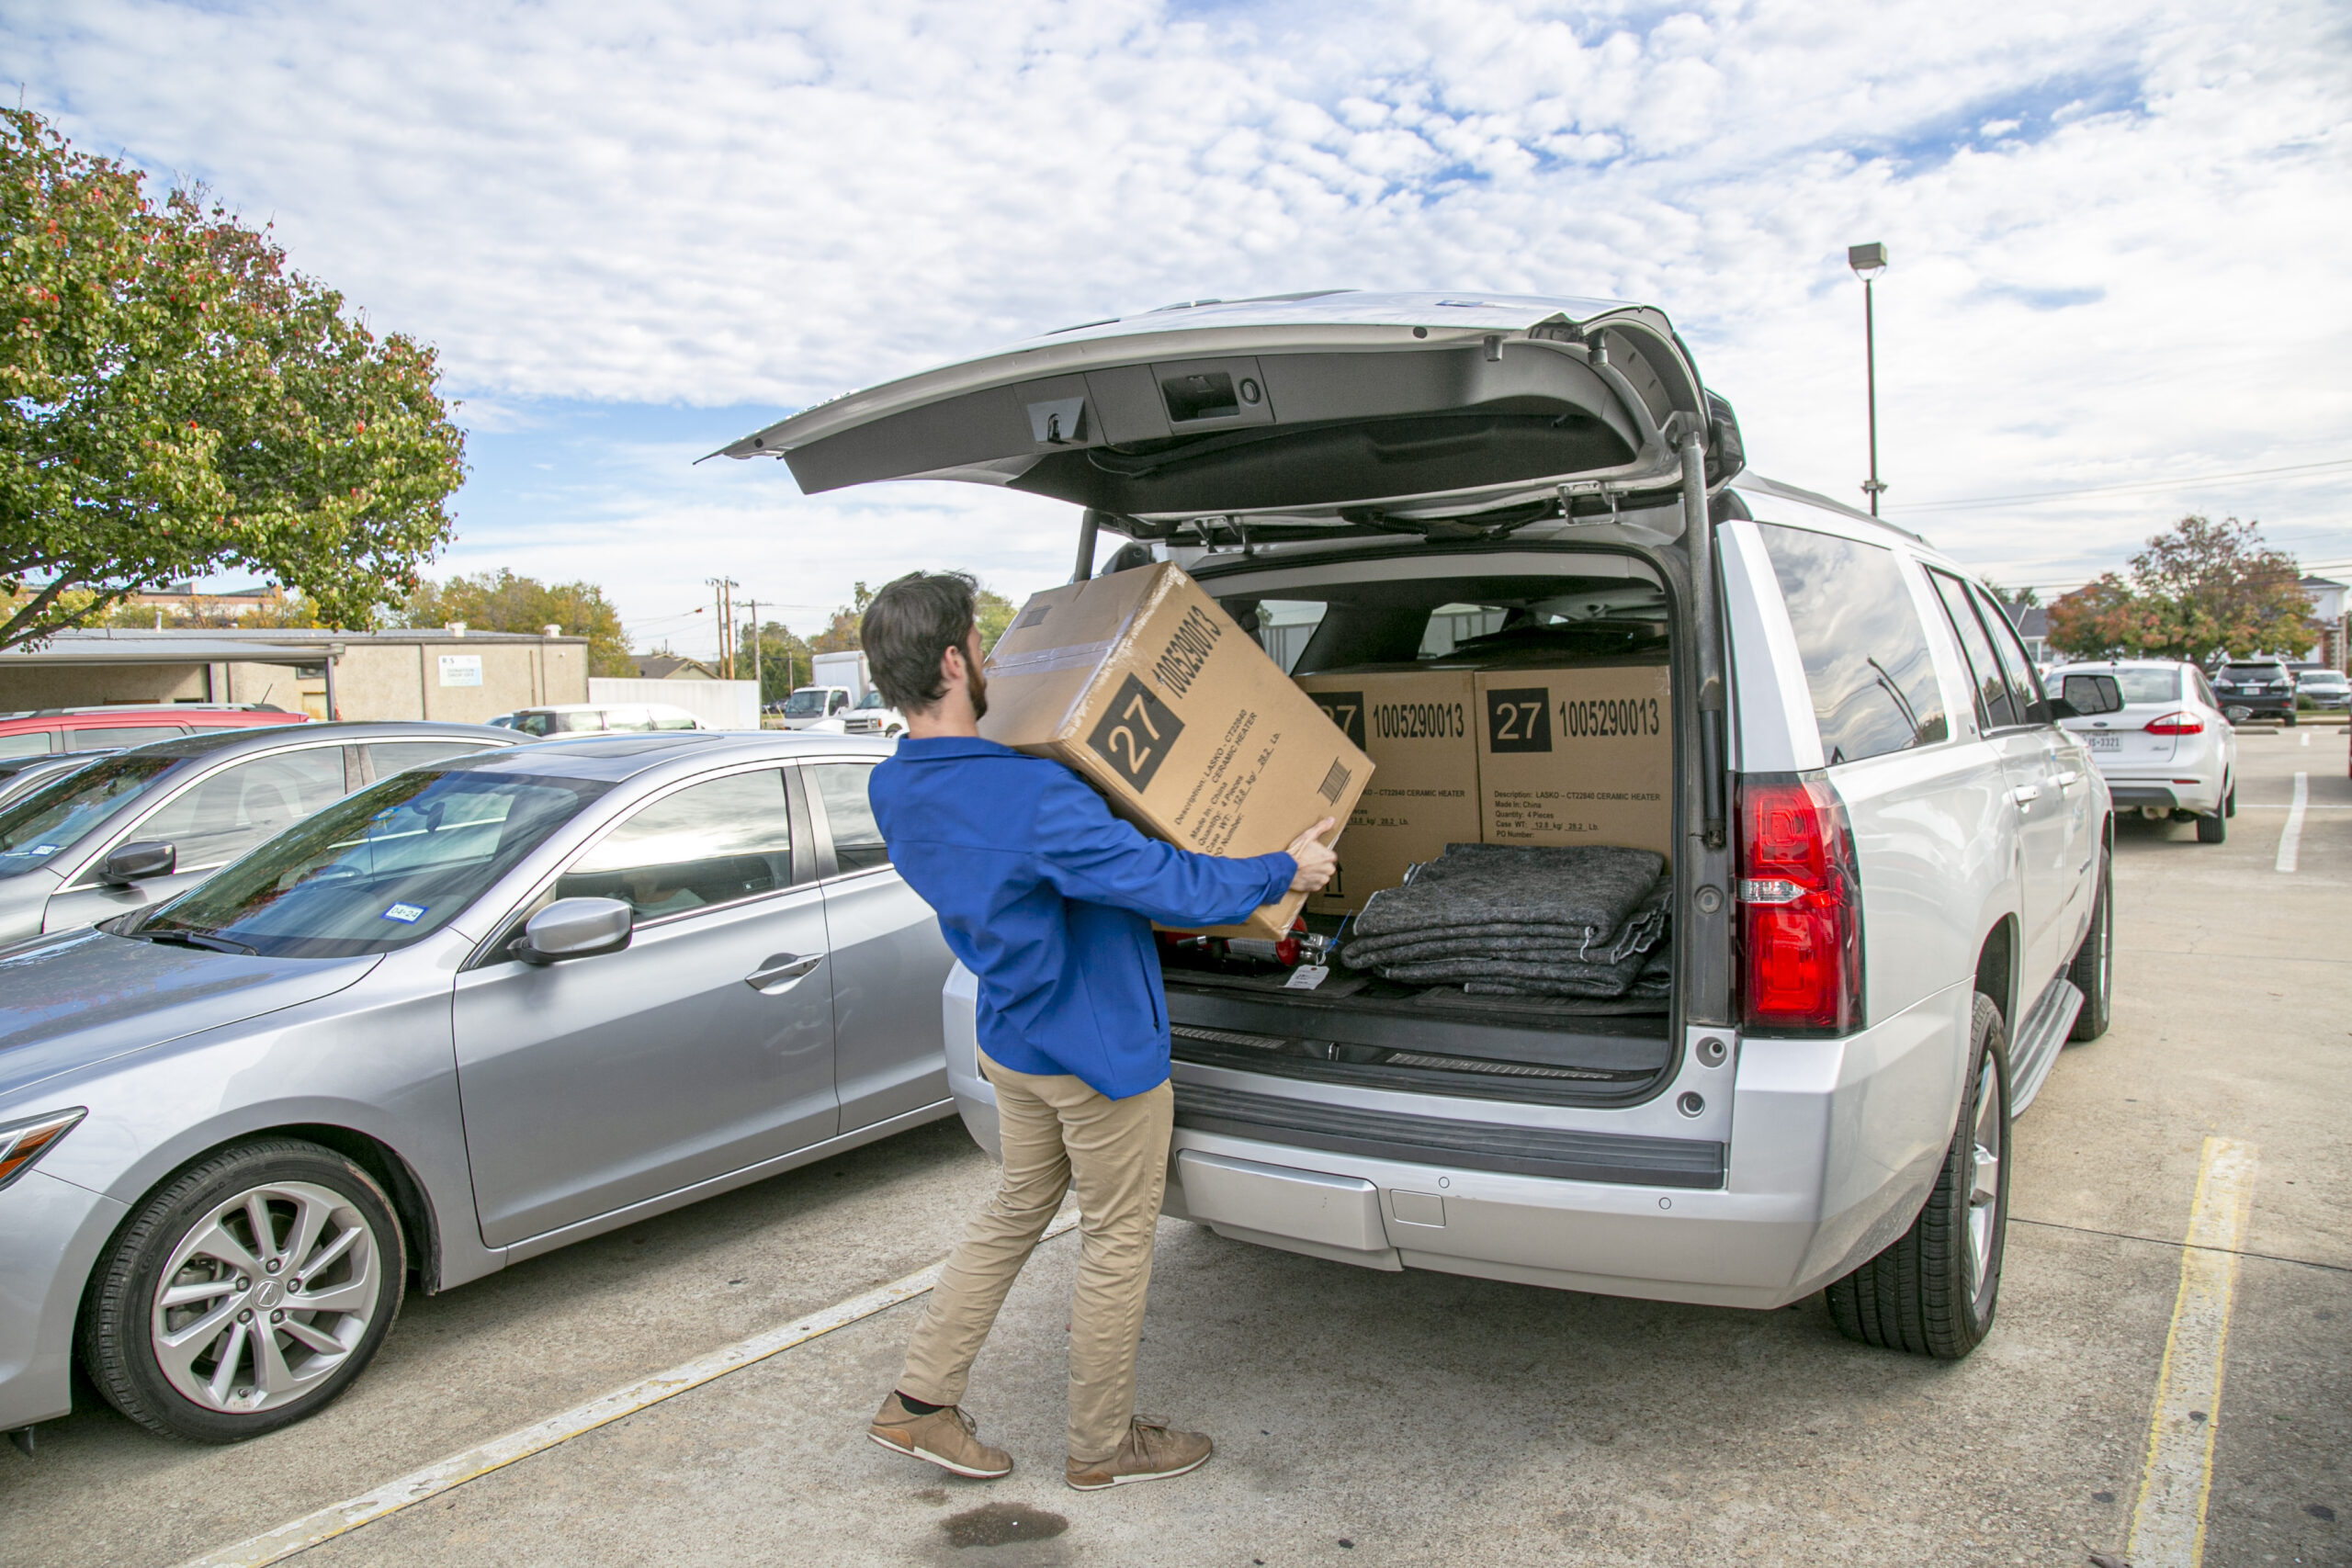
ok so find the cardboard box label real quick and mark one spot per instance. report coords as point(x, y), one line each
point(1417, 726)
point(1137, 733)
point(1581, 754)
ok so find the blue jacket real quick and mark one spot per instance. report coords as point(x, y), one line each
point(1048, 899)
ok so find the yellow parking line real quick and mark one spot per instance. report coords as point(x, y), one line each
point(2168, 1524)
point(443, 1476)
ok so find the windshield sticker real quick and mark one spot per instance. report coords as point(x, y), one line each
point(407, 914)
point(44, 848)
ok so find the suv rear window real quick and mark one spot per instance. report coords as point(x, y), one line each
point(1866, 659)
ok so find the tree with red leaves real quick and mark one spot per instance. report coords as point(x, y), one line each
point(2202, 588)
point(175, 400)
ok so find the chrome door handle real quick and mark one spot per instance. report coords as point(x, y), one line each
point(779, 973)
point(2025, 795)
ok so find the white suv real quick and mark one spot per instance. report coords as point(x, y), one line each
point(2169, 750)
point(1889, 864)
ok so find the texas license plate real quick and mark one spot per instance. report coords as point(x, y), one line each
point(2105, 742)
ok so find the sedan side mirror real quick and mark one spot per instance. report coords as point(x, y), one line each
point(126, 863)
point(574, 928)
point(2087, 696)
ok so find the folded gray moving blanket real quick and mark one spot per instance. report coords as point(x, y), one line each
point(1507, 920)
point(1572, 895)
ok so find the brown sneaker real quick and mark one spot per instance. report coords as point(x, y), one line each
point(945, 1438)
point(1152, 1453)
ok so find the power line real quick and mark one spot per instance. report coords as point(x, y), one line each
point(1981, 501)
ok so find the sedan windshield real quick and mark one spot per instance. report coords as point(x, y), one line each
point(376, 871)
point(806, 702)
point(54, 817)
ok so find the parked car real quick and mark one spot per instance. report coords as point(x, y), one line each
point(599, 719)
point(2256, 688)
point(2323, 688)
point(653, 969)
point(131, 828)
point(2168, 750)
point(1891, 894)
point(49, 732)
point(874, 715)
point(31, 772)
point(813, 705)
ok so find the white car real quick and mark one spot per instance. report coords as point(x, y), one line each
point(1889, 878)
point(598, 718)
point(2170, 752)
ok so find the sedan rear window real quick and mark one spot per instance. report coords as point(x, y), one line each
point(52, 819)
point(377, 870)
point(2146, 685)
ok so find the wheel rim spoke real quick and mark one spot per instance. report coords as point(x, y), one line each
point(310, 1217)
point(214, 1242)
point(330, 1252)
point(310, 1336)
point(1983, 1175)
point(224, 1371)
point(195, 1291)
point(265, 1231)
point(178, 1353)
point(270, 1370)
point(355, 1294)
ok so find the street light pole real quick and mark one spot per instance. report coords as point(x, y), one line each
point(1868, 262)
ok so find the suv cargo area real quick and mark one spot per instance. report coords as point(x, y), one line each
point(1507, 707)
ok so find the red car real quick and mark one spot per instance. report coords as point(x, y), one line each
point(46, 732)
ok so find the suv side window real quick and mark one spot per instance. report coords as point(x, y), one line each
point(1993, 709)
point(216, 819)
point(848, 816)
point(1866, 659)
point(719, 842)
point(2025, 695)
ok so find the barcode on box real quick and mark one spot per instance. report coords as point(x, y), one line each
point(1335, 784)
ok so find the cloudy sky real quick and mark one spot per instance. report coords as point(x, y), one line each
point(637, 231)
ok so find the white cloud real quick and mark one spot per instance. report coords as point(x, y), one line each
point(2117, 229)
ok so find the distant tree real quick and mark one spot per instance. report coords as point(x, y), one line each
point(175, 400)
point(994, 611)
point(504, 602)
point(783, 662)
point(2200, 589)
point(839, 635)
point(2015, 598)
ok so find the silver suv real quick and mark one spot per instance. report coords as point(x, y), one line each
point(1889, 884)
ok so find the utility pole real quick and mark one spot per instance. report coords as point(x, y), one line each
point(759, 688)
point(721, 587)
point(1868, 262)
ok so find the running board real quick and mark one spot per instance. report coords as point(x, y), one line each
point(2033, 1049)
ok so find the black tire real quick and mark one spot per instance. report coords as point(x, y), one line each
point(2290, 716)
point(2093, 970)
point(2230, 800)
point(120, 1317)
point(2213, 830)
point(1918, 1295)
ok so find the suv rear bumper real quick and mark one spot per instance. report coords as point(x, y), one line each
point(1835, 1145)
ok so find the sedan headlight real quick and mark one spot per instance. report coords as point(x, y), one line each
point(22, 1143)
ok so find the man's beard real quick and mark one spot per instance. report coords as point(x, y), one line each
point(977, 688)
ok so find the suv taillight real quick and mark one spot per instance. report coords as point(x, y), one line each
point(1800, 891)
point(2181, 723)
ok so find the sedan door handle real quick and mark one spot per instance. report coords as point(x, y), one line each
point(779, 972)
point(2068, 780)
point(2026, 795)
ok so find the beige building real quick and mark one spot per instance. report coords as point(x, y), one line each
point(460, 676)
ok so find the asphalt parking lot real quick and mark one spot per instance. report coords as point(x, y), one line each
point(1382, 1419)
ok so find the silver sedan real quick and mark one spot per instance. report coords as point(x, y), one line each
point(467, 1015)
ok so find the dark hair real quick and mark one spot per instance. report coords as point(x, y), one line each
point(910, 623)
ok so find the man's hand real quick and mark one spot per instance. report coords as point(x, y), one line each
point(1315, 860)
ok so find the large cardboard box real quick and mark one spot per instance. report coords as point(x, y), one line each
point(1420, 728)
point(1581, 754)
point(1142, 684)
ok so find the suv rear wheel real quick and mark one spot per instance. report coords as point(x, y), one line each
point(246, 1293)
point(2093, 970)
point(1934, 1291)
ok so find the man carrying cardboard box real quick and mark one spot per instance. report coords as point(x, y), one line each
point(1048, 899)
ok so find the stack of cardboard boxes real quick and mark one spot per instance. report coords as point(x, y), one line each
point(1575, 753)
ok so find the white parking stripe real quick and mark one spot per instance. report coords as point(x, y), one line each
point(2168, 1525)
point(443, 1476)
point(2291, 840)
point(2307, 739)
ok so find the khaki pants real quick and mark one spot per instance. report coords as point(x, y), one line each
point(1055, 1130)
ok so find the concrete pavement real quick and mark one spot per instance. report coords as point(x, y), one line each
point(1420, 1419)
